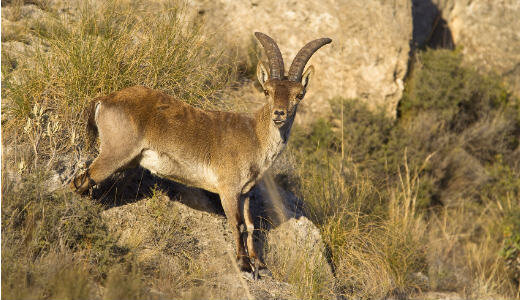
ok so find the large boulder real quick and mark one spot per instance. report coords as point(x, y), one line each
point(296, 254)
point(368, 56)
point(489, 33)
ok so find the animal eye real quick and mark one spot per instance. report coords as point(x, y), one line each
point(299, 96)
point(266, 93)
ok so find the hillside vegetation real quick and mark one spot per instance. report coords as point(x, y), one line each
point(55, 244)
point(429, 202)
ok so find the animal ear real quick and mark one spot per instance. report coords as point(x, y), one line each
point(306, 77)
point(262, 74)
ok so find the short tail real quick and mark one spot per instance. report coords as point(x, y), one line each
point(92, 130)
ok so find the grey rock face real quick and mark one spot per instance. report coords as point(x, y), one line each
point(489, 33)
point(368, 56)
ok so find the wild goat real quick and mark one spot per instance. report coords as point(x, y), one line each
point(222, 152)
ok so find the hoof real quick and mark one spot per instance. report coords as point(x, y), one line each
point(81, 183)
point(252, 271)
point(248, 275)
point(244, 265)
point(264, 273)
point(75, 188)
point(260, 270)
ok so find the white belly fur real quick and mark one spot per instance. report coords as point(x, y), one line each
point(186, 172)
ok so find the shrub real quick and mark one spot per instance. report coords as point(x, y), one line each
point(44, 235)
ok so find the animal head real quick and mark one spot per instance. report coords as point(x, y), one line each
point(285, 92)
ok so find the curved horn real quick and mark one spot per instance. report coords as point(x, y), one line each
point(303, 56)
point(273, 55)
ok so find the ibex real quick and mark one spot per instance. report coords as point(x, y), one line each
point(221, 152)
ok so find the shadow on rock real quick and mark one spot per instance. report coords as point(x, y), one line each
point(271, 205)
point(430, 29)
point(135, 184)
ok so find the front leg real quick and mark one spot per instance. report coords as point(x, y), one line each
point(231, 202)
point(250, 226)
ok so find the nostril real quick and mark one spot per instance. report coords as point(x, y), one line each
point(279, 112)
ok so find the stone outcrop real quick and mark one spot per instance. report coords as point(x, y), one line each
point(367, 59)
point(168, 236)
point(296, 251)
point(190, 246)
point(488, 32)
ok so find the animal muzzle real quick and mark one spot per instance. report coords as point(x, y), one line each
point(279, 117)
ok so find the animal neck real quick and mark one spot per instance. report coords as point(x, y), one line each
point(272, 138)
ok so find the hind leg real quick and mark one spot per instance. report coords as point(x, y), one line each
point(120, 144)
point(103, 166)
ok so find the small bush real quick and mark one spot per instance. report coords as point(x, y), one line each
point(44, 235)
point(458, 95)
point(126, 283)
point(467, 120)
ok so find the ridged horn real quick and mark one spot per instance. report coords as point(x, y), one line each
point(303, 56)
point(276, 68)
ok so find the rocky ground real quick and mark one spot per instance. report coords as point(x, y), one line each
point(207, 242)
